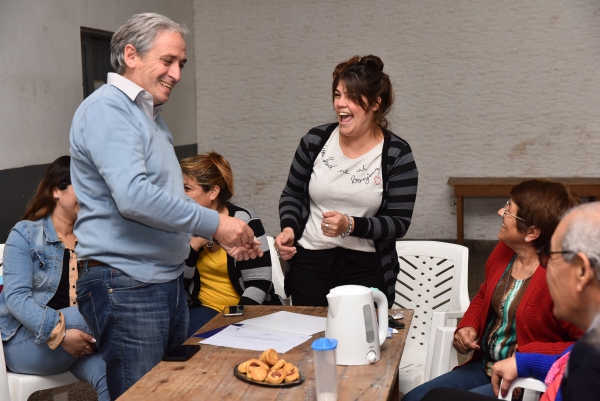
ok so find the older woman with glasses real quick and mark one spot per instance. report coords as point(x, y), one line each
point(512, 311)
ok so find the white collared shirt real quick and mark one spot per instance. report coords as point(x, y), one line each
point(136, 93)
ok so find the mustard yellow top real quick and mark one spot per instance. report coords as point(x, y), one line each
point(216, 290)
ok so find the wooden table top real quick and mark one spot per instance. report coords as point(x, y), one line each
point(208, 375)
point(517, 180)
point(501, 186)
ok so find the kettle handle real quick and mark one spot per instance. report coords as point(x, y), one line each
point(382, 313)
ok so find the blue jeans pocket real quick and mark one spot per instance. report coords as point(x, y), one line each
point(87, 308)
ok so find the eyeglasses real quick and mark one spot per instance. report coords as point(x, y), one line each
point(509, 213)
point(544, 254)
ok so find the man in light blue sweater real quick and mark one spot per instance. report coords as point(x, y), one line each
point(134, 221)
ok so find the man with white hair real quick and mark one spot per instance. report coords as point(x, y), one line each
point(572, 261)
point(134, 221)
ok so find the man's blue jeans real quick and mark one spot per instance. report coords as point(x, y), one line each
point(470, 377)
point(135, 323)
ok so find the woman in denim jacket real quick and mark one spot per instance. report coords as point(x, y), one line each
point(42, 330)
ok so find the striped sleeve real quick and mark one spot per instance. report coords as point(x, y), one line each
point(393, 220)
point(255, 274)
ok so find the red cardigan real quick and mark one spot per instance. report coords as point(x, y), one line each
point(538, 331)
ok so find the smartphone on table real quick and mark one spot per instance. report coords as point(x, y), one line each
point(234, 310)
point(181, 353)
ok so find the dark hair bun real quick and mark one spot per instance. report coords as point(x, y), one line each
point(373, 63)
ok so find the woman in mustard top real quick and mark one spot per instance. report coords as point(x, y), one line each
point(214, 279)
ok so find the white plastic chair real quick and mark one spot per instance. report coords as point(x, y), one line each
point(533, 389)
point(17, 387)
point(433, 282)
point(277, 275)
point(1, 265)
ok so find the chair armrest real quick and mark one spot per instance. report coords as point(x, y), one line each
point(441, 356)
point(527, 383)
point(452, 314)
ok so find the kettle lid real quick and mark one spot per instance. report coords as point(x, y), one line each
point(324, 344)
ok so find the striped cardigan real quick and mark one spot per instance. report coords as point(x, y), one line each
point(250, 278)
point(391, 222)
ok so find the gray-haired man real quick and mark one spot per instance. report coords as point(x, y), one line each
point(134, 216)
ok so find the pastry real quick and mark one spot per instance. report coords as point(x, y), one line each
point(276, 376)
point(289, 368)
point(256, 362)
point(295, 375)
point(258, 373)
point(279, 365)
point(269, 357)
point(243, 367)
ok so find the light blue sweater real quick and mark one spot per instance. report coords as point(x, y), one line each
point(134, 214)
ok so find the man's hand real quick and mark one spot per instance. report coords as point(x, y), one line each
point(245, 252)
point(284, 244)
point(506, 372)
point(465, 340)
point(78, 343)
point(233, 232)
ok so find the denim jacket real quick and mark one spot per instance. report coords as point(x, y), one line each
point(33, 260)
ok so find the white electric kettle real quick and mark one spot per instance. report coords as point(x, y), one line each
point(351, 321)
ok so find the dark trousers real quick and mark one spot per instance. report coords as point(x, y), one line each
point(453, 394)
point(314, 272)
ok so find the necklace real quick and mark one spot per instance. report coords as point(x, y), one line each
point(505, 296)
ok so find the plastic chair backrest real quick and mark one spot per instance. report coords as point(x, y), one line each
point(4, 391)
point(433, 277)
point(277, 276)
point(1, 267)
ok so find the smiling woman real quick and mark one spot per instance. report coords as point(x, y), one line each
point(350, 192)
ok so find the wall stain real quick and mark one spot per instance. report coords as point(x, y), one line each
point(260, 187)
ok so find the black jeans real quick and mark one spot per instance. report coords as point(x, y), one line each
point(314, 272)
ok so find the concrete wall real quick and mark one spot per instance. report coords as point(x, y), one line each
point(41, 78)
point(483, 88)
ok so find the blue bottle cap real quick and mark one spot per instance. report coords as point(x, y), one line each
point(324, 344)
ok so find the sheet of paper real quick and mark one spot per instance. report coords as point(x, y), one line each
point(257, 340)
point(290, 322)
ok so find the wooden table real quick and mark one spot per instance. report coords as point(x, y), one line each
point(499, 187)
point(208, 375)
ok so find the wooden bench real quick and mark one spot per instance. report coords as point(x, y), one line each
point(499, 187)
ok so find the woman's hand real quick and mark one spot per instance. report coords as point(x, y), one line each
point(334, 224)
point(465, 340)
point(284, 244)
point(245, 252)
point(198, 243)
point(78, 343)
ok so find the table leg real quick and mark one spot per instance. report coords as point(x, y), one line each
point(395, 391)
point(460, 221)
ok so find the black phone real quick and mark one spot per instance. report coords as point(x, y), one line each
point(395, 324)
point(181, 353)
point(234, 310)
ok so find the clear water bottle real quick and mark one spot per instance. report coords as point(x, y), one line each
point(325, 369)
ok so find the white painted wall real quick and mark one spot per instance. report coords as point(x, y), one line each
point(483, 88)
point(41, 78)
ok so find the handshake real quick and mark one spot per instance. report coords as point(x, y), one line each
point(237, 238)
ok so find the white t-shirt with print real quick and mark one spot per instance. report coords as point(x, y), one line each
point(341, 184)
